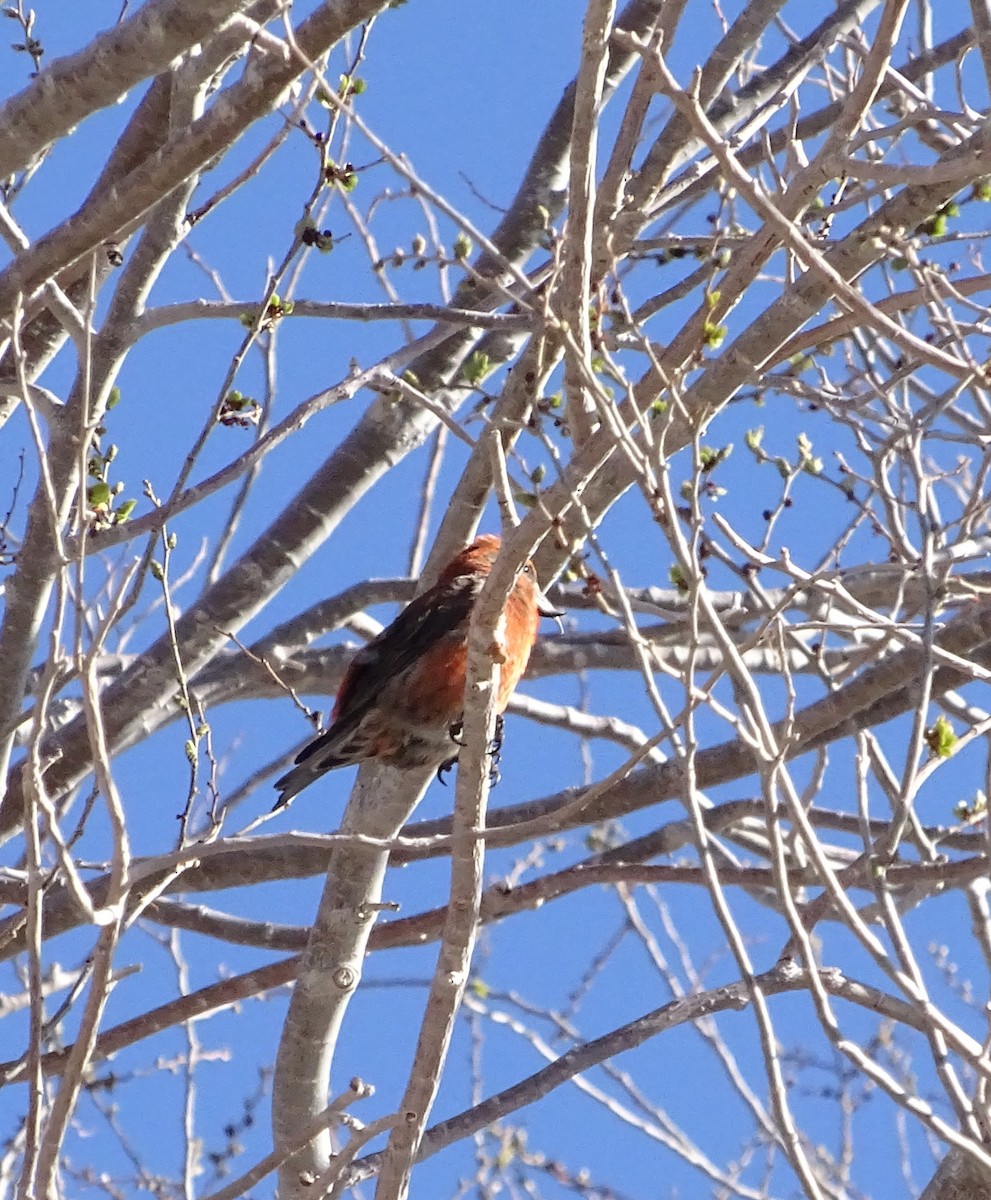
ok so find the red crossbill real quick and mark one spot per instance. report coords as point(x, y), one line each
point(401, 698)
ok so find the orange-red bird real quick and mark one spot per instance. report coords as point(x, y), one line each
point(401, 697)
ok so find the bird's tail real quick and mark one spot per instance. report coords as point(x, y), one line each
point(292, 782)
point(327, 752)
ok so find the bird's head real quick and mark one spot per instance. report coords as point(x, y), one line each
point(479, 558)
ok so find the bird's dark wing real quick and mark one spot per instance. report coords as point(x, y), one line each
point(424, 622)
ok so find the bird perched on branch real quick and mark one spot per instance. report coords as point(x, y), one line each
point(401, 698)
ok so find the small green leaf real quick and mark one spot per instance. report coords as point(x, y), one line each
point(351, 85)
point(710, 458)
point(935, 225)
point(477, 366)
point(806, 459)
point(940, 738)
point(309, 235)
point(754, 437)
point(99, 495)
point(462, 247)
point(714, 335)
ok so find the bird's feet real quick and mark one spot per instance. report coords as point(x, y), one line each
point(495, 750)
point(495, 746)
point(447, 765)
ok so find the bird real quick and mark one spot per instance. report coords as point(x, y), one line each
point(401, 699)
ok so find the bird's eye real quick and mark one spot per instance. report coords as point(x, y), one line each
point(528, 569)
